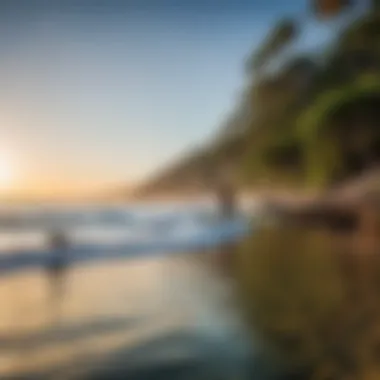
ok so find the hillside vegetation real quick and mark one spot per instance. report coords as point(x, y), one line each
point(305, 121)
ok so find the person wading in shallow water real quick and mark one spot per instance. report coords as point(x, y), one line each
point(225, 193)
point(58, 261)
point(222, 185)
point(227, 200)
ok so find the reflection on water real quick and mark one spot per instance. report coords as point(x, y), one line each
point(123, 314)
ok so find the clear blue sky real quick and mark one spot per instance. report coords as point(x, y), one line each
point(93, 96)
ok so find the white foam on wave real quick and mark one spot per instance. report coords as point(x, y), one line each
point(163, 225)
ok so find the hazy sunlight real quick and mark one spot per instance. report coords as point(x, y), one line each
point(7, 171)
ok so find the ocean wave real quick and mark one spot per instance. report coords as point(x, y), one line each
point(102, 233)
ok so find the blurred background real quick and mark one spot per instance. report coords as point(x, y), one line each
point(189, 189)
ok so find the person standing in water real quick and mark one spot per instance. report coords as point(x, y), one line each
point(221, 184)
point(227, 200)
point(58, 261)
point(225, 193)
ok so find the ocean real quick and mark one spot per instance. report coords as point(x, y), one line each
point(103, 232)
point(137, 300)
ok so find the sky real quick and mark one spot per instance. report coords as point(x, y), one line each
point(98, 94)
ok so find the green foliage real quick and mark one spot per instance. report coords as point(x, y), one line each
point(375, 4)
point(291, 124)
point(323, 161)
point(312, 117)
point(315, 118)
point(362, 33)
point(281, 35)
point(320, 128)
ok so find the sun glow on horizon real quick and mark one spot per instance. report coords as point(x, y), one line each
point(7, 171)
